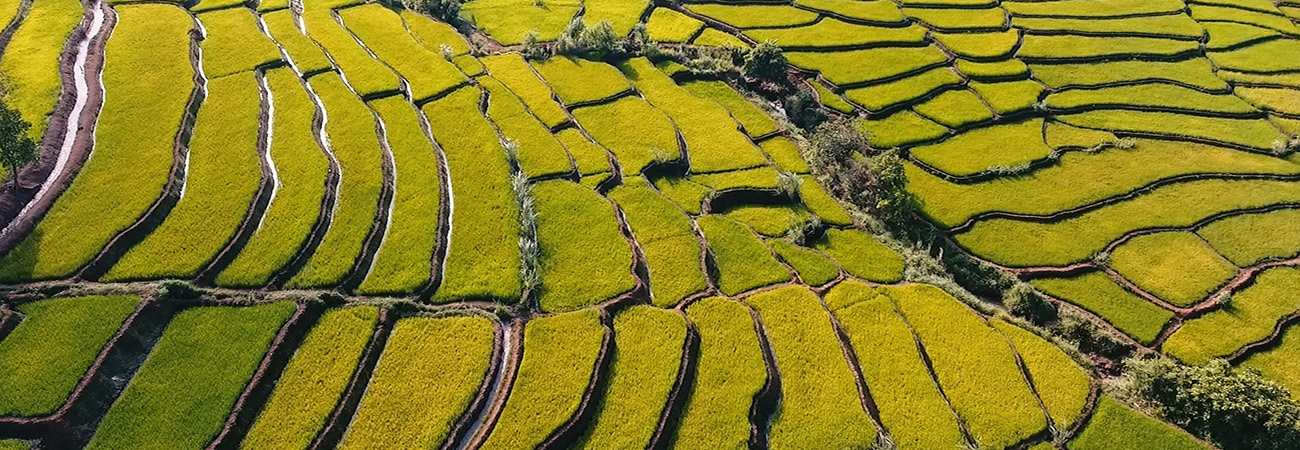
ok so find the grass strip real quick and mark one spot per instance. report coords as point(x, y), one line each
point(830, 99)
point(305, 55)
point(685, 192)
point(365, 74)
point(870, 10)
point(430, 371)
point(584, 258)
point(730, 372)
point(181, 396)
point(770, 220)
point(985, 149)
point(146, 83)
point(1172, 25)
point(1251, 238)
point(30, 67)
point(433, 34)
point(744, 263)
point(1060, 382)
point(819, 396)
point(711, 37)
point(1176, 266)
point(314, 380)
point(1096, 292)
point(637, 133)
point(759, 178)
point(508, 21)
point(1250, 316)
point(785, 154)
point(1093, 8)
point(1257, 57)
point(234, 43)
point(44, 358)
point(1007, 68)
point(959, 18)
point(426, 70)
point(511, 69)
point(1233, 13)
point(540, 154)
point(1115, 425)
point(666, 237)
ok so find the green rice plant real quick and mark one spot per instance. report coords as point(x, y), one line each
point(686, 193)
point(1284, 79)
point(1254, 133)
point(1008, 68)
point(30, 67)
point(668, 241)
point(667, 25)
point(589, 157)
point(822, 204)
point(637, 133)
point(1059, 381)
point(540, 154)
point(814, 268)
point(862, 256)
point(879, 97)
point(819, 392)
point(1096, 292)
point(1078, 238)
point(1065, 46)
point(301, 168)
point(754, 119)
point(959, 18)
point(234, 43)
point(755, 16)
point(973, 363)
point(901, 128)
point(715, 142)
point(508, 21)
point(314, 380)
point(1170, 25)
point(1061, 136)
point(770, 220)
point(730, 372)
point(1196, 72)
point(1280, 362)
point(1093, 8)
point(870, 10)
point(1009, 97)
point(303, 53)
point(351, 131)
point(560, 354)
point(1286, 101)
point(711, 37)
point(1081, 178)
point(426, 71)
point(1115, 425)
point(14, 444)
point(1250, 316)
point(830, 32)
point(964, 4)
point(980, 45)
point(514, 72)
point(1231, 13)
point(1252, 238)
point(870, 65)
point(1258, 57)
point(223, 177)
point(576, 80)
point(986, 149)
point(405, 258)
point(430, 371)
point(181, 396)
point(365, 74)
point(433, 34)
point(641, 379)
point(622, 15)
point(483, 256)
point(584, 259)
point(1227, 35)
point(785, 154)
point(9, 12)
point(1151, 96)
point(761, 178)
point(1176, 266)
point(744, 263)
point(1264, 6)
point(147, 62)
point(44, 358)
point(910, 403)
point(269, 5)
point(830, 99)
point(955, 109)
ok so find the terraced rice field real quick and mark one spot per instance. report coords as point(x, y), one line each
point(407, 233)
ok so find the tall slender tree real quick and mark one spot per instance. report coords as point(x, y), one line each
point(16, 148)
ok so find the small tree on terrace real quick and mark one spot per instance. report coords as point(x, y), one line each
point(16, 148)
point(765, 62)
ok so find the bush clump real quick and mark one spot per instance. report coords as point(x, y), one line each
point(591, 42)
point(444, 10)
point(765, 62)
point(1237, 409)
point(1090, 338)
point(1022, 300)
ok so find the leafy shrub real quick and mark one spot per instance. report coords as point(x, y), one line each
point(1090, 338)
point(1236, 409)
point(179, 290)
point(445, 10)
point(803, 109)
point(580, 40)
point(1022, 300)
point(765, 62)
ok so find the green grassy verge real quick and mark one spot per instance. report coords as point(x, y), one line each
point(1096, 292)
point(1150, 95)
point(785, 154)
point(146, 80)
point(1196, 72)
point(754, 119)
point(979, 45)
point(985, 149)
point(405, 257)
point(634, 131)
point(879, 97)
point(860, 66)
point(351, 131)
point(48, 353)
point(831, 32)
point(955, 109)
point(754, 16)
point(862, 256)
point(1072, 46)
point(822, 204)
point(974, 364)
point(576, 80)
point(560, 353)
point(511, 69)
point(30, 68)
point(819, 396)
point(540, 154)
point(744, 263)
point(306, 56)
point(1060, 382)
point(1251, 238)
point(365, 74)
point(1077, 238)
point(901, 128)
point(483, 257)
point(1176, 266)
point(667, 25)
point(14, 444)
point(310, 387)
point(426, 70)
point(814, 268)
point(650, 343)
point(730, 372)
point(1115, 425)
point(1249, 317)
point(671, 248)
point(584, 258)
point(182, 394)
point(301, 168)
point(911, 406)
point(508, 21)
point(234, 43)
point(223, 176)
point(430, 371)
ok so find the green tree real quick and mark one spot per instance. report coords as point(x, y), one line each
point(16, 148)
point(765, 62)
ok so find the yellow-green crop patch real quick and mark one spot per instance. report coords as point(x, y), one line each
point(862, 256)
point(754, 119)
point(540, 154)
point(637, 133)
point(1228, 35)
point(667, 25)
point(901, 128)
point(47, 354)
point(621, 14)
point(430, 371)
point(979, 45)
point(187, 386)
point(685, 192)
point(1256, 134)
point(560, 355)
point(146, 82)
point(314, 380)
point(1093, 8)
point(870, 65)
point(1172, 26)
point(1280, 363)
point(711, 37)
point(515, 73)
point(879, 97)
point(1197, 72)
point(1231, 13)
point(1250, 316)
point(365, 74)
point(433, 34)
point(589, 157)
point(813, 267)
point(508, 21)
point(770, 220)
point(830, 99)
point(744, 263)
point(584, 258)
point(1115, 425)
point(426, 71)
point(1176, 266)
point(831, 33)
point(1257, 57)
point(1285, 101)
point(950, 19)
point(760, 178)
point(822, 204)
point(304, 54)
point(819, 392)
point(665, 235)
point(729, 375)
point(1066, 47)
point(1165, 96)
point(234, 43)
point(785, 154)
point(1005, 69)
point(576, 80)
point(879, 11)
point(1059, 381)
point(1248, 239)
point(1099, 294)
point(755, 16)
point(31, 62)
point(986, 149)
point(1009, 97)
point(955, 109)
